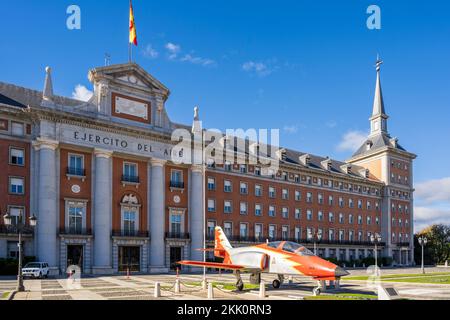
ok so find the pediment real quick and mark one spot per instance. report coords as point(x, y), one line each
point(129, 75)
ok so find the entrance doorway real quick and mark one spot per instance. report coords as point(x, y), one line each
point(129, 257)
point(175, 256)
point(75, 256)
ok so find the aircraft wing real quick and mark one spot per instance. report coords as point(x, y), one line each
point(217, 265)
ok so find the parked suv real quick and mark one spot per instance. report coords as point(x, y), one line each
point(35, 270)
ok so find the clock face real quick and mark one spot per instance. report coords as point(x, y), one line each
point(177, 199)
point(76, 188)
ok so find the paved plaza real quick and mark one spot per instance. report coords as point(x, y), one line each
point(142, 287)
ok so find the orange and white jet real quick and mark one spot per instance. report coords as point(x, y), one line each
point(282, 258)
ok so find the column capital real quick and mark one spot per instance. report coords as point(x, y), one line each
point(196, 168)
point(44, 143)
point(103, 153)
point(157, 162)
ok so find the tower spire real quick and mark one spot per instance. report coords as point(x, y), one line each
point(48, 85)
point(379, 116)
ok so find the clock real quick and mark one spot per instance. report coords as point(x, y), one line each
point(76, 188)
point(176, 199)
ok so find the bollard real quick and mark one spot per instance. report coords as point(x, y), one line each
point(337, 285)
point(157, 290)
point(354, 266)
point(177, 286)
point(128, 273)
point(446, 264)
point(262, 290)
point(204, 284)
point(210, 291)
point(291, 280)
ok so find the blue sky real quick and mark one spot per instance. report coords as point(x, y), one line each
point(305, 67)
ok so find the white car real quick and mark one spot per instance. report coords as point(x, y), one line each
point(35, 270)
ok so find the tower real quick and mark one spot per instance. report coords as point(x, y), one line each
point(392, 164)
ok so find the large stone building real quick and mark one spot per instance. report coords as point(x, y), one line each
point(98, 176)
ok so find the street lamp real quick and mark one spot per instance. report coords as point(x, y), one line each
point(422, 241)
point(376, 239)
point(19, 228)
point(317, 238)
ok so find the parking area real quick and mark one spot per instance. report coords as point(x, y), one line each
point(142, 287)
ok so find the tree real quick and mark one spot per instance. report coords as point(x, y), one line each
point(438, 246)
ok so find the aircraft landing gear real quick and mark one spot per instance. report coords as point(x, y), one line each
point(239, 282)
point(317, 291)
point(278, 282)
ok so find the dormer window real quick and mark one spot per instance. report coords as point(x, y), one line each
point(369, 145)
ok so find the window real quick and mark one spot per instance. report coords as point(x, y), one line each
point(285, 232)
point(331, 234)
point(309, 197)
point(309, 215)
point(320, 216)
point(320, 198)
point(377, 206)
point(330, 200)
point(17, 129)
point(369, 220)
point(257, 171)
point(330, 217)
point(210, 163)
point(341, 235)
point(211, 226)
point(244, 188)
point(298, 214)
point(211, 205)
point(16, 156)
point(272, 231)
point(243, 168)
point(211, 184)
point(350, 219)
point(227, 208)
point(285, 212)
point(369, 205)
point(359, 204)
point(400, 223)
point(341, 202)
point(227, 166)
point(285, 194)
point(360, 236)
point(350, 203)
point(271, 192)
point(297, 178)
point(16, 185)
point(227, 186)
point(359, 219)
point(298, 234)
point(228, 228)
point(298, 195)
point(129, 221)
point(350, 236)
point(243, 230)
point(258, 210)
point(341, 218)
point(130, 172)
point(309, 233)
point(76, 213)
point(243, 208)
point(377, 220)
point(258, 231)
point(17, 215)
point(76, 165)
point(272, 212)
point(176, 179)
point(258, 190)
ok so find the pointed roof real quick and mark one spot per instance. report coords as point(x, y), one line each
point(378, 102)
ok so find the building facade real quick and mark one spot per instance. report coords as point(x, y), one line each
point(100, 179)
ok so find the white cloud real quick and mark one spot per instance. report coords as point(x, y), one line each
point(150, 52)
point(81, 93)
point(427, 216)
point(351, 141)
point(331, 124)
point(173, 50)
point(290, 129)
point(434, 190)
point(198, 60)
point(261, 69)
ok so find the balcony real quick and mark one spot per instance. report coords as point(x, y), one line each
point(127, 179)
point(176, 184)
point(72, 231)
point(76, 173)
point(13, 230)
point(130, 233)
point(403, 244)
point(177, 235)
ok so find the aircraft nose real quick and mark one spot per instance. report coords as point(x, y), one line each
point(340, 272)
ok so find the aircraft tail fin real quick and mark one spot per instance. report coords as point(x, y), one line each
point(222, 246)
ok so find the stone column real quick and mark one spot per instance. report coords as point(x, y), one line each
point(47, 204)
point(102, 212)
point(196, 213)
point(157, 217)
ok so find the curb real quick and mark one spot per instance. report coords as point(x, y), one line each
point(11, 295)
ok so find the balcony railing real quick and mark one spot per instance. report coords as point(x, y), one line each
point(76, 172)
point(75, 231)
point(177, 235)
point(130, 233)
point(177, 184)
point(402, 244)
point(130, 179)
point(26, 230)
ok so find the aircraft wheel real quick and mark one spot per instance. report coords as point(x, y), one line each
point(276, 284)
point(316, 292)
point(240, 285)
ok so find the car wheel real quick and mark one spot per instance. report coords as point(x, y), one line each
point(276, 284)
point(40, 275)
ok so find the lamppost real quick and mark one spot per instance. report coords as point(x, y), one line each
point(19, 228)
point(317, 238)
point(376, 239)
point(422, 241)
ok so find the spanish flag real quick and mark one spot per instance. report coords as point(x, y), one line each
point(133, 36)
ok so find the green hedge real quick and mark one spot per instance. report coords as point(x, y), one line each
point(9, 267)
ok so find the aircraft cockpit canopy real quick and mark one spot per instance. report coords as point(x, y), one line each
point(291, 247)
